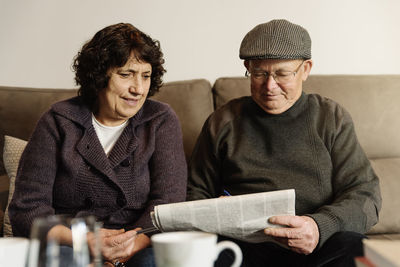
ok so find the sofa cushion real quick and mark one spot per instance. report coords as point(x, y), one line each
point(226, 89)
point(193, 103)
point(384, 236)
point(13, 148)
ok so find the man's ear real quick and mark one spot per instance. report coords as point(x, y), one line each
point(246, 64)
point(307, 65)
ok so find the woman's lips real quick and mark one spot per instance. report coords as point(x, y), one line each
point(131, 101)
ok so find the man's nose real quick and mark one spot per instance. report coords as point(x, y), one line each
point(270, 82)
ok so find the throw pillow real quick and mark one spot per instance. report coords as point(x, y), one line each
point(13, 148)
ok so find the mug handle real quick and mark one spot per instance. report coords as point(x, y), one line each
point(235, 248)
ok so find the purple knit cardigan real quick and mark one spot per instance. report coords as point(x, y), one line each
point(64, 169)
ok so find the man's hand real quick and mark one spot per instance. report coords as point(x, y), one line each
point(301, 234)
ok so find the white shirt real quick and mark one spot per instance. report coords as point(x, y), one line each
point(108, 135)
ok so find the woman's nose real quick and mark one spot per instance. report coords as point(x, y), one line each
point(136, 86)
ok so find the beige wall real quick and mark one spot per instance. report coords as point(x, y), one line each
point(200, 39)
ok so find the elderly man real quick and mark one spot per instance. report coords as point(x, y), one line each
point(281, 138)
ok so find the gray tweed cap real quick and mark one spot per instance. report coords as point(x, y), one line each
point(276, 39)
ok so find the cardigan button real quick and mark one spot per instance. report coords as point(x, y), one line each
point(121, 201)
point(126, 163)
point(88, 202)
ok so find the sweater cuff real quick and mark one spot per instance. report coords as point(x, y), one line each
point(327, 226)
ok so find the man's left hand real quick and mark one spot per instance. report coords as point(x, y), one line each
point(299, 233)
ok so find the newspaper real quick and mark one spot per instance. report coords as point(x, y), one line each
point(242, 217)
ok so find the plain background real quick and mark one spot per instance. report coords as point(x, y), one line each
point(200, 39)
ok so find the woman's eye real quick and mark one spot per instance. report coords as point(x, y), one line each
point(124, 75)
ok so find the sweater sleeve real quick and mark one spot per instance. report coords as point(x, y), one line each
point(204, 178)
point(168, 169)
point(356, 200)
point(35, 177)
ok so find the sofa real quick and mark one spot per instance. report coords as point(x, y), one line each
point(372, 100)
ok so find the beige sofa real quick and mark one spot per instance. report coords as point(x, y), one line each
point(372, 100)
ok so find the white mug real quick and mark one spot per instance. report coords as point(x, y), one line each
point(13, 251)
point(191, 249)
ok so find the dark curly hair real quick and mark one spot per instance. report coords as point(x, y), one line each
point(109, 48)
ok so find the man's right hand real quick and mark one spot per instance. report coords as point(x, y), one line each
point(300, 233)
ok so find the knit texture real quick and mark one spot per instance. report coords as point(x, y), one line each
point(312, 147)
point(277, 39)
point(64, 169)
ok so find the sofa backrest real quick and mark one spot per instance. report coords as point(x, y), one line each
point(21, 108)
point(372, 100)
point(193, 102)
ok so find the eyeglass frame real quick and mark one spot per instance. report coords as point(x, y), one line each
point(266, 74)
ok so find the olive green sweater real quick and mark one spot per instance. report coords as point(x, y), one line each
point(312, 147)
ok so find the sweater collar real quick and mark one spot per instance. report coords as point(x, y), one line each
point(75, 110)
point(293, 111)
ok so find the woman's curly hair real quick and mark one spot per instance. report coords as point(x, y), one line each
point(111, 47)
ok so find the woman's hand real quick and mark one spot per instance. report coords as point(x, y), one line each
point(62, 234)
point(142, 241)
point(119, 245)
point(116, 244)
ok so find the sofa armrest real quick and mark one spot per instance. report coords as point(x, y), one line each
point(388, 171)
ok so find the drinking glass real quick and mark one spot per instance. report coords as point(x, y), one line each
point(48, 251)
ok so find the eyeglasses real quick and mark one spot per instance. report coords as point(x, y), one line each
point(279, 77)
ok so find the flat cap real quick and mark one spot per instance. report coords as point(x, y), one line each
point(276, 39)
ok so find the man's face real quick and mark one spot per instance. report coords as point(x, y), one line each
point(275, 97)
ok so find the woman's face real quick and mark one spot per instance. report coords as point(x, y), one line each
point(126, 92)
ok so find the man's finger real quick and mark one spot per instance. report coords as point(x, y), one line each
point(288, 220)
point(283, 232)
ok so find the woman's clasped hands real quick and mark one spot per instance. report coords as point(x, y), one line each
point(118, 245)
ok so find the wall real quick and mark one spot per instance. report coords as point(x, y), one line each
point(200, 39)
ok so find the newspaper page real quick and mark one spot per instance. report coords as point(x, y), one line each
point(242, 217)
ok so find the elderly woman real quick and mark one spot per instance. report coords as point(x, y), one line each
point(109, 152)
